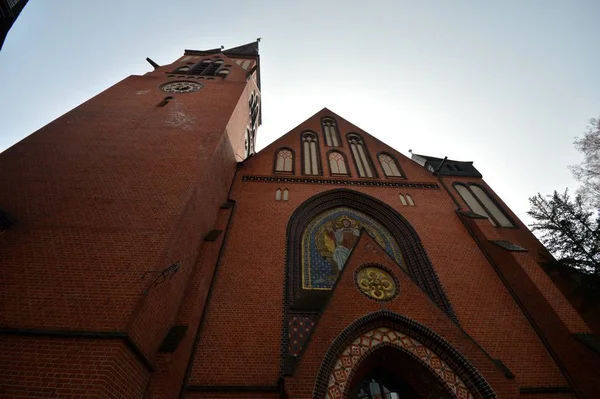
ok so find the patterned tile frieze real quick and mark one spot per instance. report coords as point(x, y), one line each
point(338, 182)
point(366, 343)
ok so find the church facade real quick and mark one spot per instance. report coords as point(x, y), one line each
point(149, 252)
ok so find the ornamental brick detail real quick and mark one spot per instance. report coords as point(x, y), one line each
point(365, 344)
point(339, 182)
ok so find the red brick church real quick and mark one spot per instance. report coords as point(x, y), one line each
point(147, 251)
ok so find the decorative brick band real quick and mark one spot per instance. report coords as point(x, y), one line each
point(337, 182)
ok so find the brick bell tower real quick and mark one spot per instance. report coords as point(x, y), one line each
point(105, 216)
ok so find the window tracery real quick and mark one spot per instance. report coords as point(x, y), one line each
point(284, 160)
point(337, 163)
point(389, 165)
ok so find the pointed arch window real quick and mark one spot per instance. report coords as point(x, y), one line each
point(284, 160)
point(480, 202)
point(330, 129)
point(491, 206)
point(310, 151)
point(337, 163)
point(389, 165)
point(361, 158)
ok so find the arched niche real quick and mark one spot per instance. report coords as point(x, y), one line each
point(413, 254)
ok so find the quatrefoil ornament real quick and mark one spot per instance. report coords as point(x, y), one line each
point(376, 283)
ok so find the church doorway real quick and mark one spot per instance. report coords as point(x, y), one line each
point(384, 363)
point(389, 373)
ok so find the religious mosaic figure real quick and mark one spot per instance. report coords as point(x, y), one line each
point(329, 239)
point(341, 239)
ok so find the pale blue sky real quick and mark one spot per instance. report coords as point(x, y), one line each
point(506, 84)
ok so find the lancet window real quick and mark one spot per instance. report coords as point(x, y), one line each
point(330, 129)
point(480, 202)
point(310, 151)
point(361, 158)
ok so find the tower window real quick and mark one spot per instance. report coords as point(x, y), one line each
point(389, 165)
point(278, 194)
point(253, 112)
point(480, 202)
point(337, 163)
point(284, 160)
point(247, 146)
point(206, 67)
point(310, 153)
point(410, 200)
point(363, 163)
point(332, 138)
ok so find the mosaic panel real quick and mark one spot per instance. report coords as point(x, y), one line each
point(355, 353)
point(328, 241)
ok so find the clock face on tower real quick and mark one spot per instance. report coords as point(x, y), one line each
point(181, 87)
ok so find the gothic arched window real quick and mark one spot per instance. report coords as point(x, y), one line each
point(361, 158)
point(332, 137)
point(389, 165)
point(490, 205)
point(310, 152)
point(337, 163)
point(481, 203)
point(284, 160)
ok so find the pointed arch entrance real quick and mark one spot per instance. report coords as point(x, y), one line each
point(387, 355)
